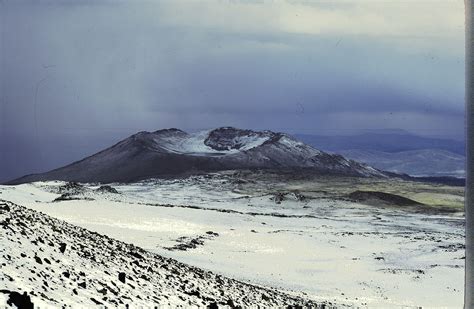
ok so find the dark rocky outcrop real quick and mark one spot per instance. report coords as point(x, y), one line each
point(107, 189)
point(22, 301)
point(381, 198)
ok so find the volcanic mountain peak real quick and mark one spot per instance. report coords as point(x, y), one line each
point(221, 141)
point(172, 152)
point(228, 138)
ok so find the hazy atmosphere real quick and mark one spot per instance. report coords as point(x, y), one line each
point(78, 76)
point(232, 154)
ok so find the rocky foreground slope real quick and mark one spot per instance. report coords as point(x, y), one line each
point(48, 262)
point(174, 152)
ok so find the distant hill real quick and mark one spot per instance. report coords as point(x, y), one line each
point(173, 152)
point(397, 151)
point(385, 142)
point(425, 162)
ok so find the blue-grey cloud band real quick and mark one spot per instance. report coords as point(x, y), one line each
point(76, 70)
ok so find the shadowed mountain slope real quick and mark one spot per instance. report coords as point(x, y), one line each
point(173, 152)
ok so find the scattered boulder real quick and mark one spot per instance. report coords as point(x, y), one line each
point(62, 247)
point(19, 300)
point(194, 293)
point(38, 260)
point(121, 277)
point(95, 301)
point(136, 255)
point(4, 207)
point(213, 306)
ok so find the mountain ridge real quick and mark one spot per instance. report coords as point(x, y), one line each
point(423, 162)
point(386, 142)
point(173, 151)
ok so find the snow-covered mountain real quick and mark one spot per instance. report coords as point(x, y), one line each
point(171, 152)
point(386, 141)
point(424, 162)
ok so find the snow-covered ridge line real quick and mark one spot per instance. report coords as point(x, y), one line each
point(221, 141)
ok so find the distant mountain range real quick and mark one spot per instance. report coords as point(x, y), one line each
point(424, 162)
point(397, 152)
point(385, 142)
point(174, 152)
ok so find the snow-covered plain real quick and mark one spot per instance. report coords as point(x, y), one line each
point(328, 249)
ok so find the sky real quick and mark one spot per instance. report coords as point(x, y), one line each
point(78, 76)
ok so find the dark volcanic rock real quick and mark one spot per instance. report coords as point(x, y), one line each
point(186, 243)
point(377, 197)
point(4, 207)
point(213, 306)
point(38, 260)
point(95, 301)
point(107, 189)
point(22, 301)
point(62, 247)
point(121, 277)
point(71, 188)
point(70, 197)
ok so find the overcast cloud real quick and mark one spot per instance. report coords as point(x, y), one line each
point(79, 75)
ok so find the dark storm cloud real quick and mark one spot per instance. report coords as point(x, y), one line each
point(319, 76)
point(78, 75)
